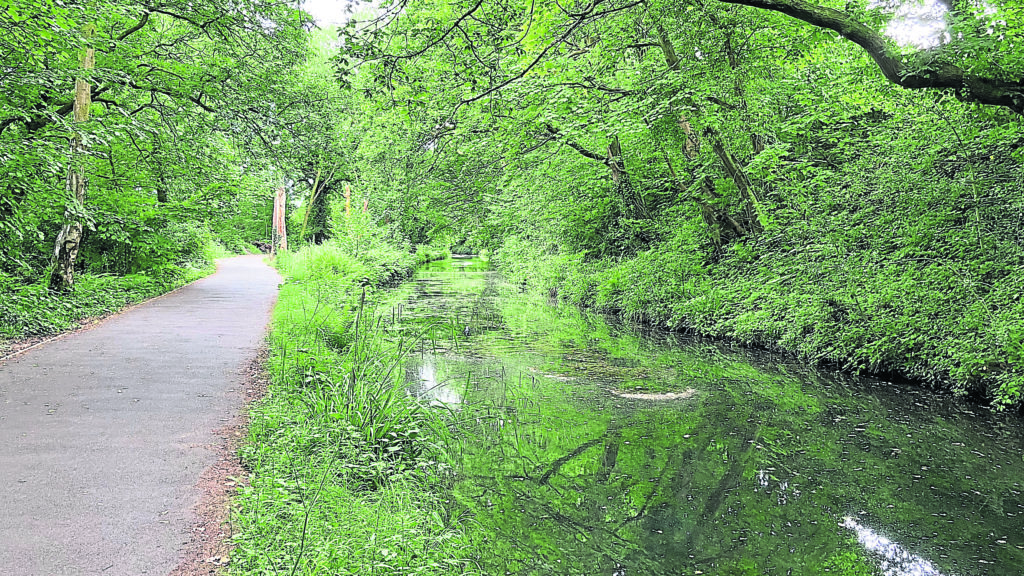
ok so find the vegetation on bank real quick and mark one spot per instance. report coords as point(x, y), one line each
point(349, 472)
point(873, 279)
point(732, 168)
point(32, 310)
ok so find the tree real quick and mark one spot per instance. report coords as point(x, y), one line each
point(174, 117)
point(70, 237)
point(944, 67)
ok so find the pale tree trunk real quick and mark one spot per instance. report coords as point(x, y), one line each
point(280, 231)
point(692, 146)
point(70, 238)
point(312, 202)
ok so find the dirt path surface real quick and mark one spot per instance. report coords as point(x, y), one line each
point(104, 434)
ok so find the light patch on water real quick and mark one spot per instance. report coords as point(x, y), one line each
point(896, 560)
point(688, 393)
point(429, 387)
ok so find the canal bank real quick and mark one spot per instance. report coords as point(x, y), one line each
point(592, 447)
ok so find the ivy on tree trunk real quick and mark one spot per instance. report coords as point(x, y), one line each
point(70, 238)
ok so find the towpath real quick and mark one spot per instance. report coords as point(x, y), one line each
point(104, 433)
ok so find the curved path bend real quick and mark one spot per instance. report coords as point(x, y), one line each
point(104, 433)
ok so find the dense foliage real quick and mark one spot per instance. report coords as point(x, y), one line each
point(179, 117)
point(729, 169)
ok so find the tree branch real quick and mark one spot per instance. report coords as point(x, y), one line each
point(587, 153)
point(968, 87)
point(142, 22)
point(446, 33)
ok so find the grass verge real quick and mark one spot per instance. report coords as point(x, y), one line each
point(349, 474)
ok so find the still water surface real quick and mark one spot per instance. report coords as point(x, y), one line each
point(597, 448)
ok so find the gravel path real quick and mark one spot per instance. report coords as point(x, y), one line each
point(104, 434)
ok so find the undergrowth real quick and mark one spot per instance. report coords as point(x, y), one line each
point(349, 474)
point(889, 277)
point(34, 310)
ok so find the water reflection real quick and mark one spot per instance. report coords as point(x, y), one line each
point(896, 561)
point(594, 447)
point(427, 386)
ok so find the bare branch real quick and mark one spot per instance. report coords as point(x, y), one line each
point(139, 26)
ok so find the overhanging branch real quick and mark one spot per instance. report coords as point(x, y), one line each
point(587, 153)
point(968, 87)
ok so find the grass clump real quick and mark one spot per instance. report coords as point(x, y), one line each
point(349, 473)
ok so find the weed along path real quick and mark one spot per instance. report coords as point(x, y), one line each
point(104, 434)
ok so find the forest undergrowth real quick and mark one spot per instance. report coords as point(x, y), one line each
point(32, 310)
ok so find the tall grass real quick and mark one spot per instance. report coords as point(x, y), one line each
point(350, 474)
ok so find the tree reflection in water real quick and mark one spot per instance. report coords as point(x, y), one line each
point(589, 447)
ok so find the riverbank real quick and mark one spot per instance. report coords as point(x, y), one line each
point(348, 474)
point(951, 321)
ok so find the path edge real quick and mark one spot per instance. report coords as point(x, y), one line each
point(86, 324)
point(208, 550)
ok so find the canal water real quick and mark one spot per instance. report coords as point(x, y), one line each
point(592, 447)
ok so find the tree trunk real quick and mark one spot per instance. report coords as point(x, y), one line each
point(622, 184)
point(716, 218)
point(713, 218)
point(280, 240)
point(757, 143)
point(667, 49)
point(739, 177)
point(635, 205)
point(692, 145)
point(70, 238)
point(312, 202)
